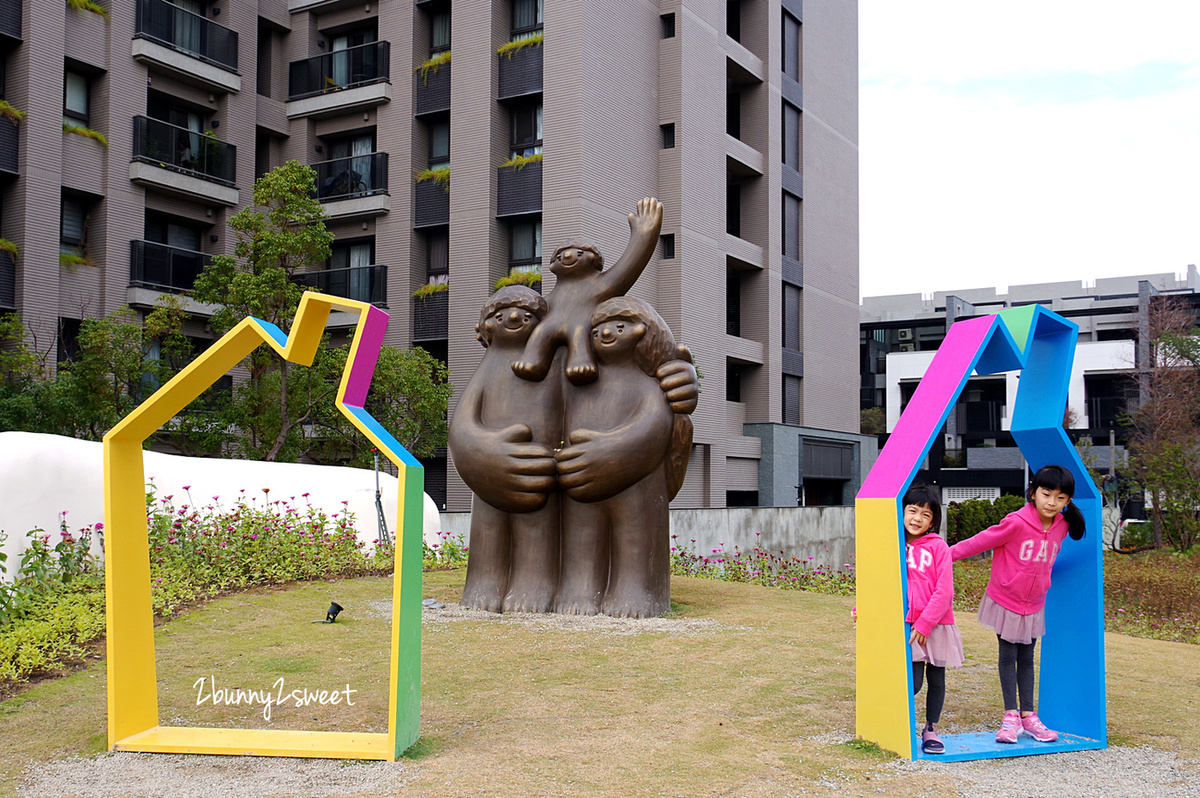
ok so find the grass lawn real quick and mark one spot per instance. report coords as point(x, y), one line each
point(756, 703)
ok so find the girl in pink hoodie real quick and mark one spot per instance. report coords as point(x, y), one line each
point(1024, 547)
point(935, 639)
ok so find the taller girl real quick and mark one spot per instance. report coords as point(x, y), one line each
point(1025, 545)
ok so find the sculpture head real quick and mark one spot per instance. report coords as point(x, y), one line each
point(624, 323)
point(510, 315)
point(580, 257)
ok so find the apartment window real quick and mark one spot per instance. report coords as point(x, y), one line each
point(76, 98)
point(791, 316)
point(733, 303)
point(439, 32)
point(733, 206)
point(668, 245)
point(668, 26)
point(437, 258)
point(791, 46)
point(733, 19)
point(526, 18)
point(72, 226)
point(527, 130)
point(791, 226)
point(525, 246)
point(352, 170)
point(668, 135)
point(791, 136)
point(439, 144)
point(173, 232)
point(791, 399)
point(350, 66)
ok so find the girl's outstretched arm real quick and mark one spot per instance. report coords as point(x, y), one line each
point(986, 540)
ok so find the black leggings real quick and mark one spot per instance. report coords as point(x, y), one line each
point(1016, 674)
point(936, 696)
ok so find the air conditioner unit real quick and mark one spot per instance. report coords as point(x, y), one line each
point(904, 335)
point(907, 348)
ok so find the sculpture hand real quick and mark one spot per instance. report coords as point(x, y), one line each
point(598, 465)
point(679, 382)
point(509, 471)
point(647, 219)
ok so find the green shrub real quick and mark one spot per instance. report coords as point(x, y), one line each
point(964, 519)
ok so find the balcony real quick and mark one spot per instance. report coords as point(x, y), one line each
point(354, 186)
point(432, 205)
point(10, 139)
point(164, 268)
point(520, 73)
point(431, 91)
point(360, 283)
point(8, 281)
point(519, 190)
point(190, 46)
point(182, 161)
point(431, 317)
point(10, 19)
point(345, 80)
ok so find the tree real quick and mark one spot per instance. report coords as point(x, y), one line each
point(282, 411)
point(284, 233)
point(1165, 448)
point(408, 397)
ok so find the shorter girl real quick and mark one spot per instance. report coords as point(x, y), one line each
point(1025, 545)
point(935, 639)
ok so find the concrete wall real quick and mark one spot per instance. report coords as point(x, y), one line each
point(824, 533)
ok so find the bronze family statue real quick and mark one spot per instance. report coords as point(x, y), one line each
point(574, 435)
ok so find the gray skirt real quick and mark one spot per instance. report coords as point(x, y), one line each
point(1011, 626)
point(943, 648)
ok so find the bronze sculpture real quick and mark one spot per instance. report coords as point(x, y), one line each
point(573, 471)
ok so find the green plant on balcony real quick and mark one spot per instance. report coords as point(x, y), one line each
point(433, 64)
point(440, 176)
point(519, 162)
point(529, 278)
point(9, 247)
point(71, 260)
point(429, 289)
point(531, 40)
point(15, 116)
point(89, 5)
point(86, 132)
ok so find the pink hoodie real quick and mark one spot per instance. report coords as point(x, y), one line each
point(1023, 556)
point(930, 583)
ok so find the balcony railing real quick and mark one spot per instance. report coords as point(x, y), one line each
point(431, 90)
point(356, 176)
point(520, 73)
point(8, 281)
point(165, 268)
point(431, 317)
point(342, 69)
point(519, 190)
point(432, 204)
point(190, 33)
point(361, 283)
point(182, 150)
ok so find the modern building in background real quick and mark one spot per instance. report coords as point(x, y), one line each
point(975, 456)
point(740, 116)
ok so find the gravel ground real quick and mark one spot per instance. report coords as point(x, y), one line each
point(1113, 773)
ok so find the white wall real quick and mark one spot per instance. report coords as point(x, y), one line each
point(43, 475)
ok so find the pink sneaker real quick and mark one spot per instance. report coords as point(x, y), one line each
point(1037, 730)
point(1010, 728)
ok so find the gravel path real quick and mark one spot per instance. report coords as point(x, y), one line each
point(1114, 773)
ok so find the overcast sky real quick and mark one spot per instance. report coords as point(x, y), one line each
point(1027, 141)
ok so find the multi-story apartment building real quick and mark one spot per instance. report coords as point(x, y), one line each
point(740, 115)
point(976, 455)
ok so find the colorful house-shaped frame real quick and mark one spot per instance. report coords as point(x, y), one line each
point(1071, 695)
point(132, 688)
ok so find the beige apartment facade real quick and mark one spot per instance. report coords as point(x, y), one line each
point(740, 116)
